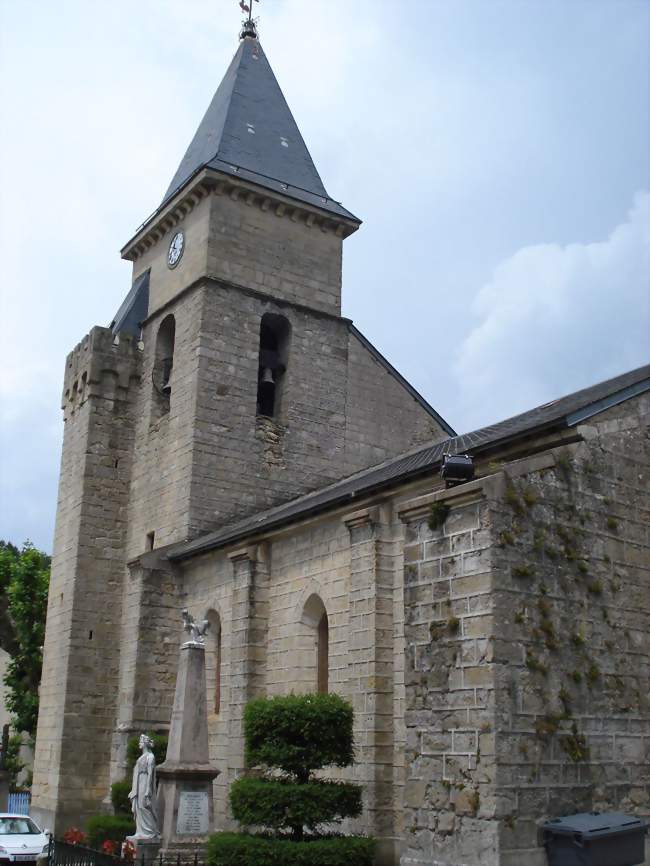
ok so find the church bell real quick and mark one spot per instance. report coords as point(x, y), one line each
point(167, 366)
point(267, 377)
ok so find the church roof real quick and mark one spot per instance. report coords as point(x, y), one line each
point(133, 310)
point(248, 131)
point(561, 414)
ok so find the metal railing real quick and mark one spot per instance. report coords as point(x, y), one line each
point(19, 802)
point(65, 854)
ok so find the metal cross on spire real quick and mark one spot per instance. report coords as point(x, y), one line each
point(249, 25)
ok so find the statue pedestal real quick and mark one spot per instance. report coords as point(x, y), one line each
point(146, 850)
point(185, 801)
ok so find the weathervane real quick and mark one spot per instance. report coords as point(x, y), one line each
point(249, 25)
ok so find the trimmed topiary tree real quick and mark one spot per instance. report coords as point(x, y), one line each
point(295, 735)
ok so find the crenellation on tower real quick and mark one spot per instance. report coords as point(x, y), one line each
point(101, 365)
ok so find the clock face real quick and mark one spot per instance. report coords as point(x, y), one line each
point(176, 248)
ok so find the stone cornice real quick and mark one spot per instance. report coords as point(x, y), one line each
point(363, 517)
point(218, 282)
point(462, 494)
point(212, 182)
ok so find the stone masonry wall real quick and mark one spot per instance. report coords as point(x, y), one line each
point(352, 561)
point(81, 656)
point(243, 463)
point(159, 499)
point(528, 658)
point(165, 283)
point(380, 413)
point(150, 634)
point(268, 251)
point(210, 458)
point(250, 245)
point(450, 674)
point(573, 557)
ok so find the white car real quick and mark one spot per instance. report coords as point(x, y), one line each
point(21, 840)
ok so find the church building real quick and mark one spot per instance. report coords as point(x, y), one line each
point(235, 446)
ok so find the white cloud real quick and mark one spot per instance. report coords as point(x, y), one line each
point(554, 319)
point(433, 131)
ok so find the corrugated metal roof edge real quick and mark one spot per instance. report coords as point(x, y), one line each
point(403, 382)
point(319, 500)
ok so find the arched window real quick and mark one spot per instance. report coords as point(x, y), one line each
point(314, 617)
point(164, 362)
point(323, 652)
point(213, 662)
point(275, 332)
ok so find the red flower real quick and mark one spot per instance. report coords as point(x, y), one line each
point(109, 846)
point(128, 851)
point(74, 836)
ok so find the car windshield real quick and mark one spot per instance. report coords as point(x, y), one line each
point(18, 827)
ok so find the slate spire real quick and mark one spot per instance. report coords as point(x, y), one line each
point(249, 131)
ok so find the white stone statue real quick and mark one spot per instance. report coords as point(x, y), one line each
point(143, 793)
point(197, 632)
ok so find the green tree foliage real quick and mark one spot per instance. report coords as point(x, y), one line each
point(13, 763)
point(115, 828)
point(295, 735)
point(281, 803)
point(238, 849)
point(120, 797)
point(24, 578)
point(159, 750)
point(9, 554)
point(299, 733)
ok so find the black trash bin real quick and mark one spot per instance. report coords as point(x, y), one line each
point(595, 839)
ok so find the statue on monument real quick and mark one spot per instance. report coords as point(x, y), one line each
point(143, 793)
point(197, 632)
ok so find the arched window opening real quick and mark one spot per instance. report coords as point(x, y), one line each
point(323, 651)
point(315, 618)
point(164, 361)
point(214, 662)
point(275, 332)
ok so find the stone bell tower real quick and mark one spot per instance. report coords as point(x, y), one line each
point(227, 383)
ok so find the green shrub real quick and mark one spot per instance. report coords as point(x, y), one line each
point(120, 797)
point(296, 734)
point(299, 733)
point(114, 827)
point(235, 849)
point(438, 514)
point(133, 750)
point(281, 803)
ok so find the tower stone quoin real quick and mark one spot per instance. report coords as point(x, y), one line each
point(227, 383)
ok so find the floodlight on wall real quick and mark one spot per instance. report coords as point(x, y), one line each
point(456, 469)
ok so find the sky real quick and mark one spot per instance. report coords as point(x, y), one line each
point(498, 152)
